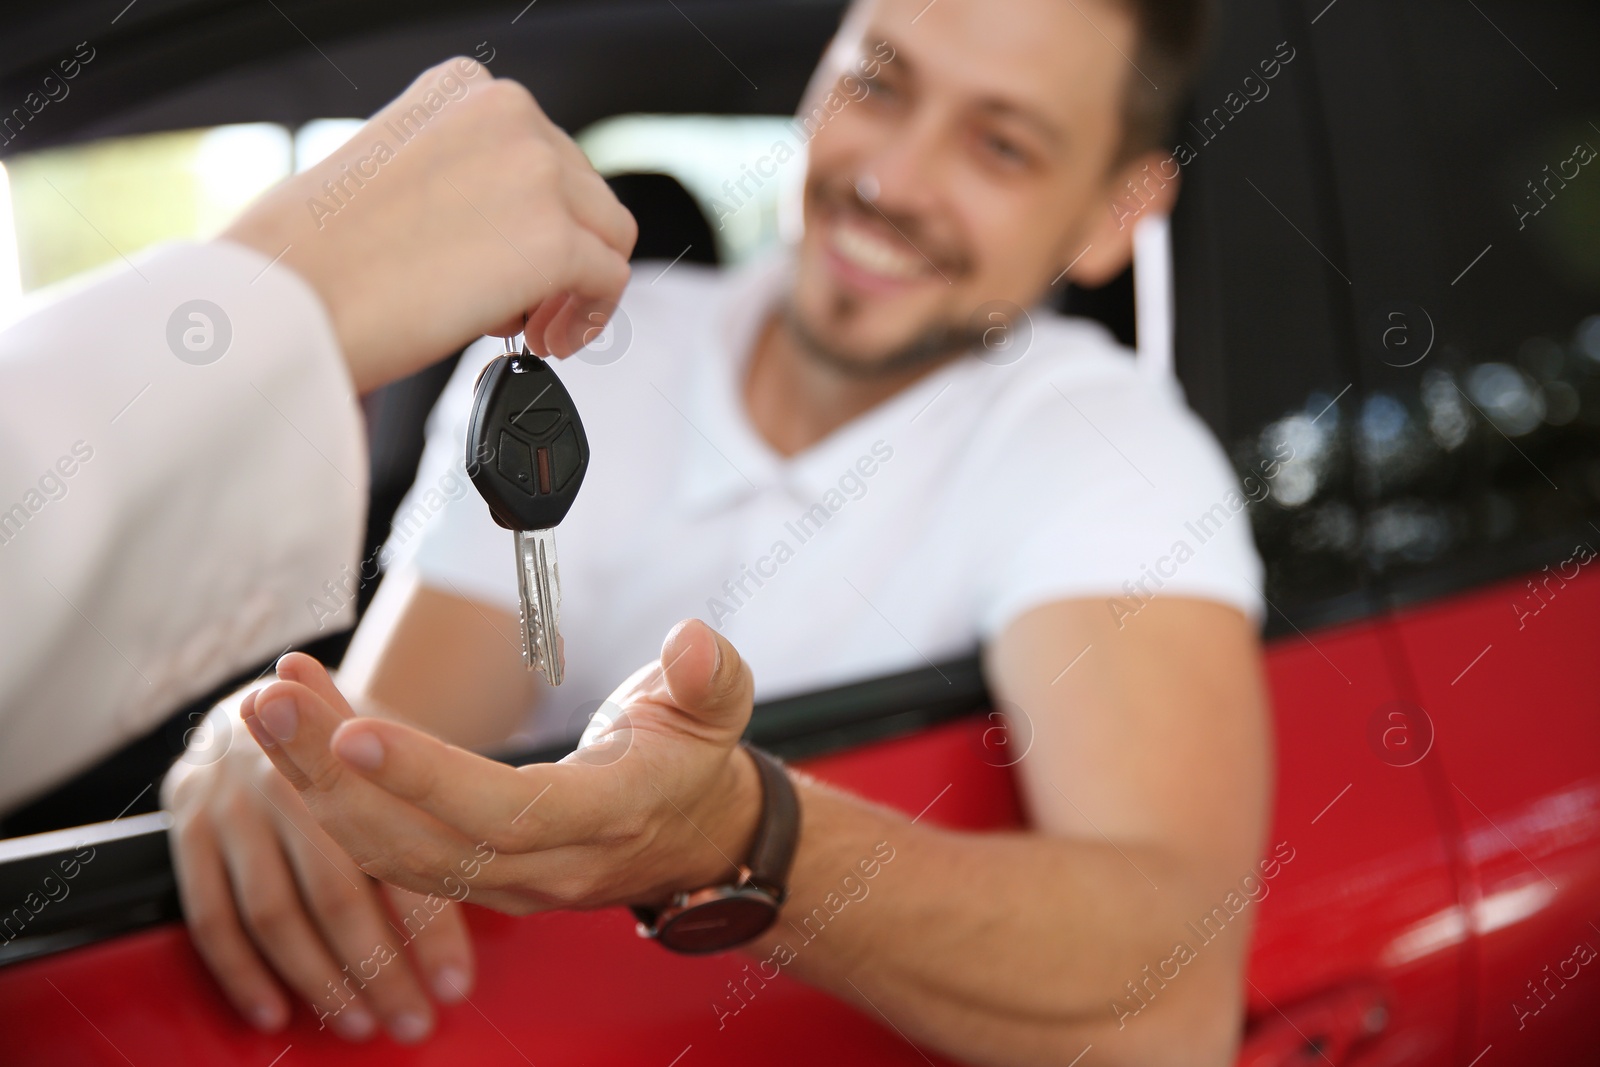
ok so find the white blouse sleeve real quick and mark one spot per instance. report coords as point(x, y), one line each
point(183, 485)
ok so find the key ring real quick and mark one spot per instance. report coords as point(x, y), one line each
point(522, 348)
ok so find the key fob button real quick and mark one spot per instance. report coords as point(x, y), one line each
point(539, 421)
point(565, 457)
point(521, 408)
point(516, 463)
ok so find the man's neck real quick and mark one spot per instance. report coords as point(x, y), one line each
point(795, 400)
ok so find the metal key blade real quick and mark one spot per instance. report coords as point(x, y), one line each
point(539, 582)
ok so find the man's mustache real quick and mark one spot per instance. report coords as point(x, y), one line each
point(946, 257)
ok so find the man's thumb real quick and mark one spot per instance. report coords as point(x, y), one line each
point(706, 676)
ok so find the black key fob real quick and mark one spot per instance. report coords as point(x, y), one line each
point(526, 449)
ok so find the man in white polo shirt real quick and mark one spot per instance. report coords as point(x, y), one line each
point(818, 457)
point(908, 535)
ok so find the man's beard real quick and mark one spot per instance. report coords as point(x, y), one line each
point(937, 344)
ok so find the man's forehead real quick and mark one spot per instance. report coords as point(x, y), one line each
point(1050, 56)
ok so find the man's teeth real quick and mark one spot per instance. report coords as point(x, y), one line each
point(871, 254)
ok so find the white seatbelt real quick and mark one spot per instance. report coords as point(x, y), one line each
point(1152, 295)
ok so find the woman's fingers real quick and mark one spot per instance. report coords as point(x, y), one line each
point(599, 275)
point(533, 329)
point(595, 206)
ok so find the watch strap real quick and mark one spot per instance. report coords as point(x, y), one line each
point(777, 834)
point(765, 875)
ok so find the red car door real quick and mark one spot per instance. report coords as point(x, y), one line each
point(1477, 445)
point(1516, 704)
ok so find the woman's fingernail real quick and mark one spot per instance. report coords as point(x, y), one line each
point(451, 985)
point(353, 1024)
point(279, 716)
point(360, 749)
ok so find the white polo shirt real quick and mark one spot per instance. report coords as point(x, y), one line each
point(907, 536)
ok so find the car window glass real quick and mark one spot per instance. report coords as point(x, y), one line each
point(744, 171)
point(1260, 345)
point(75, 208)
point(1468, 176)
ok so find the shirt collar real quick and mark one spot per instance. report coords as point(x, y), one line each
point(737, 462)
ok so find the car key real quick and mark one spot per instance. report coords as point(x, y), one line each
point(527, 455)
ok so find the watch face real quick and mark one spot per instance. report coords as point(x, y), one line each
point(730, 918)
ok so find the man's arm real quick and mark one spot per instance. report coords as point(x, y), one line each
point(1146, 787)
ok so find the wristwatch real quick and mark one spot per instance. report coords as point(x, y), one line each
point(721, 917)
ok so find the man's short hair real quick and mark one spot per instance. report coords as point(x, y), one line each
point(1172, 35)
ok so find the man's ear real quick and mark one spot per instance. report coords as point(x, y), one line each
point(1145, 185)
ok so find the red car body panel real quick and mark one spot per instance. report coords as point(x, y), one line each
point(1371, 860)
point(1420, 900)
point(1513, 689)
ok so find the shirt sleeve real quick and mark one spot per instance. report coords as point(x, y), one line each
point(1124, 497)
point(183, 485)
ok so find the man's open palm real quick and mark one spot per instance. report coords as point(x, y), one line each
point(659, 798)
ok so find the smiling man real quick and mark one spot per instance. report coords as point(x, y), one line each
point(822, 458)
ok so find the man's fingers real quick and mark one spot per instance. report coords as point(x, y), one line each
point(540, 806)
point(438, 940)
point(706, 677)
point(292, 724)
point(213, 922)
point(347, 911)
point(309, 672)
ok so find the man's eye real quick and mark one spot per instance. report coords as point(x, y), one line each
point(879, 88)
point(1005, 150)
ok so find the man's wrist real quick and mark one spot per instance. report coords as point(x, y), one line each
point(719, 912)
point(729, 813)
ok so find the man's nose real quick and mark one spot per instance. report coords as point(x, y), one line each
point(904, 171)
